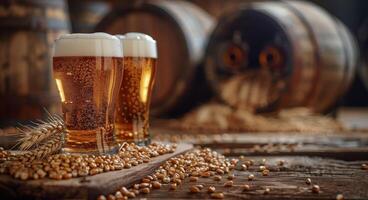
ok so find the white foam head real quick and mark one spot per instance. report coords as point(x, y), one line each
point(92, 44)
point(138, 45)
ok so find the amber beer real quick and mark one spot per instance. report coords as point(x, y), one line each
point(87, 70)
point(132, 116)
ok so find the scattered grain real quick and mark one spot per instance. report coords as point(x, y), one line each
point(315, 189)
point(246, 187)
point(206, 174)
point(265, 172)
point(365, 166)
point(217, 178)
point(339, 197)
point(217, 195)
point(267, 191)
point(230, 177)
point(145, 190)
point(211, 189)
point(173, 186)
point(228, 184)
point(156, 185)
point(101, 197)
point(194, 189)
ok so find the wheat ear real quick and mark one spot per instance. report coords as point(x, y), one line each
point(33, 135)
point(52, 146)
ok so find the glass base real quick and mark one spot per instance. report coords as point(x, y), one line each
point(144, 142)
point(98, 141)
point(88, 151)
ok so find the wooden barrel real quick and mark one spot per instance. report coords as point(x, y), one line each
point(363, 42)
point(86, 14)
point(180, 29)
point(218, 7)
point(27, 31)
point(271, 55)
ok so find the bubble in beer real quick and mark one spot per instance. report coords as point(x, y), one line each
point(87, 70)
point(132, 119)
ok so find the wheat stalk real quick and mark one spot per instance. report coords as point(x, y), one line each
point(53, 145)
point(49, 147)
point(33, 135)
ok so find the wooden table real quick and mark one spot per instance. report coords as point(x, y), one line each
point(331, 160)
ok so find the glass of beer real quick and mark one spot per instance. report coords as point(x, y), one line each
point(87, 70)
point(132, 116)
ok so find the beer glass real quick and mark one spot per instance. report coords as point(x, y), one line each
point(87, 70)
point(132, 116)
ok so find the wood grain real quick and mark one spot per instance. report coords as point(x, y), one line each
point(333, 176)
point(314, 155)
point(82, 188)
point(347, 145)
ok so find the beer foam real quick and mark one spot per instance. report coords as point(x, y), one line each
point(93, 44)
point(138, 45)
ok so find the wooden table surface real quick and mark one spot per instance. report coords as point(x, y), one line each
point(331, 160)
point(333, 176)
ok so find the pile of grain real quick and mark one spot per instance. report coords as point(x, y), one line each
point(219, 117)
point(66, 166)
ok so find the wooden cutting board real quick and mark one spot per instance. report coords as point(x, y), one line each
point(82, 188)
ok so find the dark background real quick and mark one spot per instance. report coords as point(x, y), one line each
point(353, 13)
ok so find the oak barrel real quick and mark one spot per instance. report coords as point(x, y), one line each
point(180, 29)
point(363, 42)
point(27, 31)
point(270, 55)
point(217, 7)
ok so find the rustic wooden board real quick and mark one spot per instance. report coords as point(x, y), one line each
point(333, 176)
point(82, 188)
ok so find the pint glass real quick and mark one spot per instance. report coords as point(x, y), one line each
point(87, 70)
point(132, 116)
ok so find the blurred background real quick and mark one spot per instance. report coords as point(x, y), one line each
point(260, 56)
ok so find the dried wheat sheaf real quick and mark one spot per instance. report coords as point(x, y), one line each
point(41, 139)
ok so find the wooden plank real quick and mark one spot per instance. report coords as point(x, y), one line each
point(288, 182)
point(335, 153)
point(83, 188)
point(345, 145)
